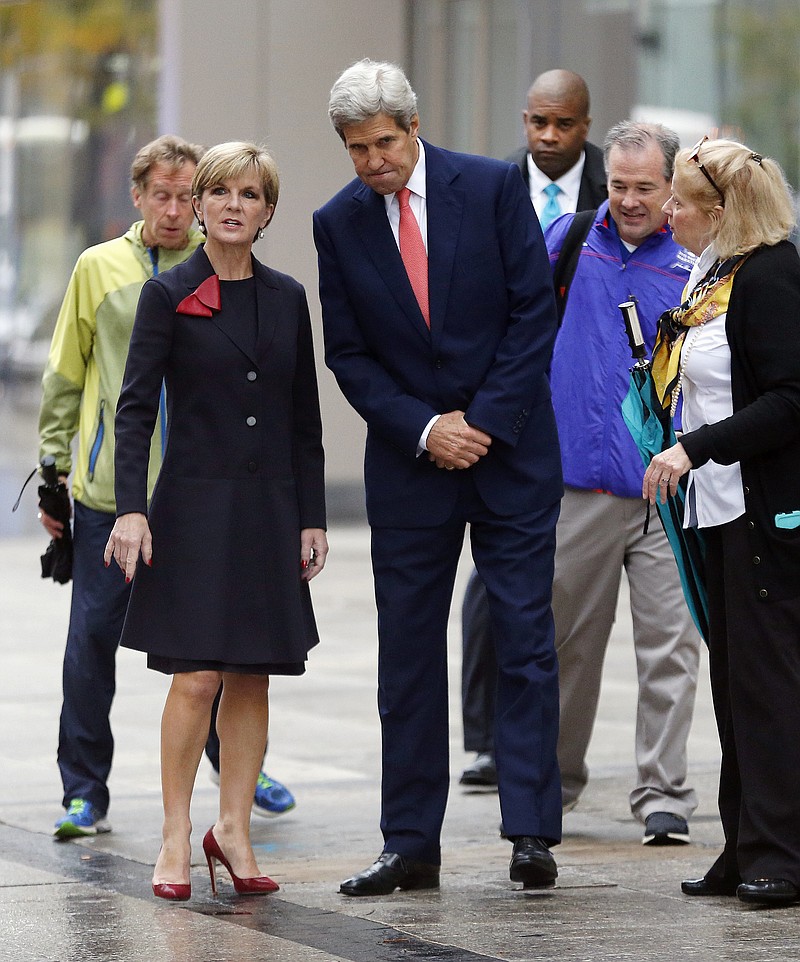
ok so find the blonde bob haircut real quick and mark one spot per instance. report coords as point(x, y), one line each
point(757, 210)
point(234, 160)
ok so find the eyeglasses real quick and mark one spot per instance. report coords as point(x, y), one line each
point(695, 156)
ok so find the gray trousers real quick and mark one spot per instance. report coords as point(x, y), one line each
point(597, 536)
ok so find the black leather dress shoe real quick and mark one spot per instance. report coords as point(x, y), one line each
point(483, 771)
point(392, 872)
point(706, 886)
point(769, 891)
point(532, 863)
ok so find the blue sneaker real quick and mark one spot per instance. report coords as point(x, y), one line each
point(82, 819)
point(271, 797)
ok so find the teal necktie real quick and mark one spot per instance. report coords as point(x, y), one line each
point(552, 208)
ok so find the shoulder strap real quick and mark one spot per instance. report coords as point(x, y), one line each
point(567, 261)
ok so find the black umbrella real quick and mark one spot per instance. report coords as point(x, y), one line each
point(54, 500)
point(650, 426)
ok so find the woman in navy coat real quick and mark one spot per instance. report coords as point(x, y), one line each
point(236, 526)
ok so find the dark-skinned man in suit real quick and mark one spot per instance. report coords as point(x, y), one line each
point(558, 160)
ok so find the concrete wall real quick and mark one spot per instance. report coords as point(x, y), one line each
point(261, 70)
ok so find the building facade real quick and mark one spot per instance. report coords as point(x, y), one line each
point(84, 82)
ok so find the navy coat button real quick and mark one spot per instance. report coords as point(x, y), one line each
point(251, 421)
point(756, 560)
point(763, 593)
point(251, 375)
point(252, 467)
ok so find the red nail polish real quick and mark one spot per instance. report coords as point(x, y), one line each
point(106, 563)
point(127, 580)
point(150, 563)
point(304, 565)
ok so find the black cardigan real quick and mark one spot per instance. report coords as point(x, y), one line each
point(763, 433)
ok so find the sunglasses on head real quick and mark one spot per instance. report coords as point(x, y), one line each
point(694, 156)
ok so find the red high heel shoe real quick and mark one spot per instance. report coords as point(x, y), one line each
point(258, 885)
point(172, 891)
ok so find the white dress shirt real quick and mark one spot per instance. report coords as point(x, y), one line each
point(570, 184)
point(417, 201)
point(715, 494)
point(419, 208)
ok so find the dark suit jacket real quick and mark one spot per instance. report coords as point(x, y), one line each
point(493, 324)
point(593, 190)
point(242, 472)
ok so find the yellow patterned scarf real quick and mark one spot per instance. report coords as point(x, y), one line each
point(709, 299)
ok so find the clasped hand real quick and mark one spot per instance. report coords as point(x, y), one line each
point(454, 444)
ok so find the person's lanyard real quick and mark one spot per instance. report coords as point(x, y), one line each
point(162, 400)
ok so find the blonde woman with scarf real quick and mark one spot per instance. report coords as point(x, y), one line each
point(732, 350)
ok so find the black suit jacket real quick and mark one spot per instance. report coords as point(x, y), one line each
point(593, 190)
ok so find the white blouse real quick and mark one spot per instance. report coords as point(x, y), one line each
point(715, 494)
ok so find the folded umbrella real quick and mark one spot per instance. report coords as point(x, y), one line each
point(651, 428)
point(54, 500)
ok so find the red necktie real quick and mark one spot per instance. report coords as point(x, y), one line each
point(412, 250)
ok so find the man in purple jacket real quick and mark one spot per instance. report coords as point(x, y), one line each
point(629, 252)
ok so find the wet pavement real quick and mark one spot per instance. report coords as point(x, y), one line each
point(90, 901)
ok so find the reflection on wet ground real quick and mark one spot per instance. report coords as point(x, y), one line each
point(98, 906)
point(91, 901)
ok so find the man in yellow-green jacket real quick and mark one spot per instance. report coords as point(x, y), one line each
point(81, 386)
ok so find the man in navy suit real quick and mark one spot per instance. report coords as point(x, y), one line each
point(439, 323)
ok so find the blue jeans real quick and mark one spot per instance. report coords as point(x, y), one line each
point(99, 600)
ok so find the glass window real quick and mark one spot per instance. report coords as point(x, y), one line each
point(463, 68)
point(77, 99)
point(693, 64)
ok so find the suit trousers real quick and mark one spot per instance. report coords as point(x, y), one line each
point(414, 572)
point(597, 536)
point(478, 668)
point(754, 655)
point(99, 602)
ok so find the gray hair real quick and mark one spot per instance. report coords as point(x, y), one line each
point(367, 89)
point(634, 135)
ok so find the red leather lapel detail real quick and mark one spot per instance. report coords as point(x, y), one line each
point(204, 300)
